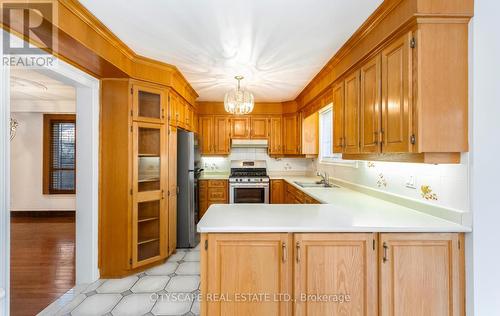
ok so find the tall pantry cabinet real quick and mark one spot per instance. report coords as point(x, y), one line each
point(135, 204)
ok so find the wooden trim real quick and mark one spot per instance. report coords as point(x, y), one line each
point(47, 122)
point(89, 45)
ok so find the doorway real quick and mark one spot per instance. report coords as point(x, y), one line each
point(85, 201)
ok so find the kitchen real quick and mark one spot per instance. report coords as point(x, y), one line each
point(279, 159)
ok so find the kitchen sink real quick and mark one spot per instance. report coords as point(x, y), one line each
point(315, 185)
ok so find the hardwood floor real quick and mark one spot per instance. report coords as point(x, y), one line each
point(42, 261)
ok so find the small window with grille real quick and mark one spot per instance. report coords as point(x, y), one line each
point(59, 153)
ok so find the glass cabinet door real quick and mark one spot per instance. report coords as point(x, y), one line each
point(148, 104)
point(148, 193)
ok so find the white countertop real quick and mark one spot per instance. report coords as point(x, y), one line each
point(347, 211)
point(214, 176)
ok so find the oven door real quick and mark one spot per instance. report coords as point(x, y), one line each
point(256, 193)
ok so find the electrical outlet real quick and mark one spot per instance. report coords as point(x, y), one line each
point(411, 182)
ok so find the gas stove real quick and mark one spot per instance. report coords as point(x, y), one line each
point(248, 171)
point(248, 182)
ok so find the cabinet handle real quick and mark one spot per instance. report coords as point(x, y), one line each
point(162, 194)
point(283, 252)
point(162, 113)
point(382, 136)
point(376, 137)
point(297, 248)
point(384, 258)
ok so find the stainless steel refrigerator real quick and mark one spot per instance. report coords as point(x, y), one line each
point(188, 159)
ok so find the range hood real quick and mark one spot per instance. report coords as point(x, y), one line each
point(249, 143)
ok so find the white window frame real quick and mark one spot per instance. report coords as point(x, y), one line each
point(331, 158)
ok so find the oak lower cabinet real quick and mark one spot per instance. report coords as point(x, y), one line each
point(422, 274)
point(243, 266)
point(212, 192)
point(293, 195)
point(277, 191)
point(342, 266)
point(315, 274)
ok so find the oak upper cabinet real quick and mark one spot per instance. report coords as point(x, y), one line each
point(291, 142)
point(421, 274)
point(214, 135)
point(259, 128)
point(338, 118)
point(351, 113)
point(172, 189)
point(188, 117)
point(172, 108)
point(370, 109)
point(336, 263)
point(247, 263)
point(240, 127)
point(206, 131)
point(310, 135)
point(276, 136)
point(277, 191)
point(148, 103)
point(181, 113)
point(221, 135)
point(396, 96)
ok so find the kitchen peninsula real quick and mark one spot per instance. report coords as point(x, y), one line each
point(381, 255)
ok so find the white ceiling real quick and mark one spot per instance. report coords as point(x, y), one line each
point(28, 84)
point(278, 45)
point(34, 91)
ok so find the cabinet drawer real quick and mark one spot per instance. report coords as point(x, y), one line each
point(217, 194)
point(217, 183)
point(310, 200)
point(290, 189)
point(203, 184)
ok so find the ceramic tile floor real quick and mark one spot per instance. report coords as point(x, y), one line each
point(169, 289)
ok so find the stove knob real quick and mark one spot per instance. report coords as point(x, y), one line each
point(248, 179)
point(260, 179)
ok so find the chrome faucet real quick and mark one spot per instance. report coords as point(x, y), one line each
point(324, 177)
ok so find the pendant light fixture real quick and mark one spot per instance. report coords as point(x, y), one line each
point(238, 101)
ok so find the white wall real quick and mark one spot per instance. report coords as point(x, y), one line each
point(485, 169)
point(450, 182)
point(222, 164)
point(27, 168)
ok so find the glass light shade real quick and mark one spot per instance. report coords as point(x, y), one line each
point(238, 101)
